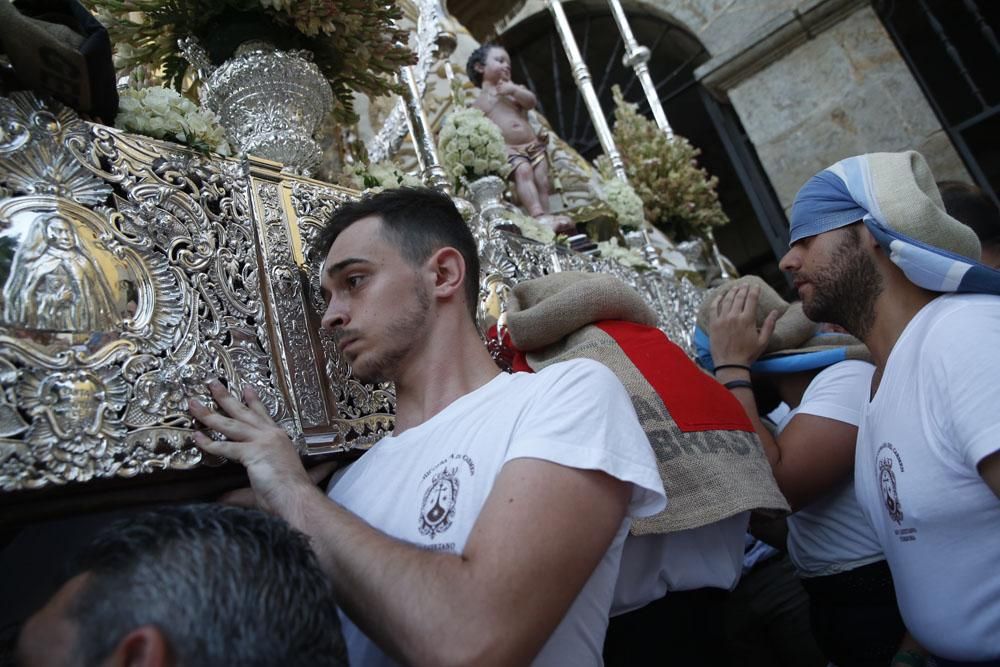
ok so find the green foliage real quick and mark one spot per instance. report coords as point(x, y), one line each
point(355, 43)
point(678, 196)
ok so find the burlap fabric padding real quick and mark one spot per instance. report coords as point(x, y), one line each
point(794, 333)
point(561, 303)
point(708, 474)
point(905, 191)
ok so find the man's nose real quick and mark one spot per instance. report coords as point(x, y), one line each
point(791, 261)
point(334, 317)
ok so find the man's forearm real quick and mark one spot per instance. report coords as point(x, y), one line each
point(746, 398)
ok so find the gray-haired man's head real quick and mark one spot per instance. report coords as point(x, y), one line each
point(198, 585)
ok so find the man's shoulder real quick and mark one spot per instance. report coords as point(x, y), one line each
point(577, 370)
point(954, 320)
point(581, 383)
point(849, 368)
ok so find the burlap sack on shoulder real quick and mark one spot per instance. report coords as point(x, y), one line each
point(710, 460)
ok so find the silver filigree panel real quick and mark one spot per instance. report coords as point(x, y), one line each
point(508, 259)
point(132, 272)
point(364, 411)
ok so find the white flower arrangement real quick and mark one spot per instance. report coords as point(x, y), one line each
point(163, 113)
point(628, 256)
point(531, 228)
point(623, 200)
point(471, 146)
point(379, 176)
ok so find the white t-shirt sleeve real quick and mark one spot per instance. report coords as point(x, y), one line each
point(582, 417)
point(963, 351)
point(837, 392)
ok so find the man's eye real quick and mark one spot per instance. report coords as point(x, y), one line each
point(354, 281)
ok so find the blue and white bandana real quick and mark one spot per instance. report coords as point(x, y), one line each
point(891, 193)
point(791, 362)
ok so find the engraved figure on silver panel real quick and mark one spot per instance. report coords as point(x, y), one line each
point(54, 284)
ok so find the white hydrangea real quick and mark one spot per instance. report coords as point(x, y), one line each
point(624, 202)
point(531, 228)
point(381, 175)
point(471, 146)
point(163, 113)
point(610, 249)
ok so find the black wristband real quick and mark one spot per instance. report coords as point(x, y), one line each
point(738, 384)
point(721, 366)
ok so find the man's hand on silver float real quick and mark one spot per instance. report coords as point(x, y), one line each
point(253, 439)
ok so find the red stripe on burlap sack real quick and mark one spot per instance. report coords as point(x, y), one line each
point(520, 362)
point(695, 401)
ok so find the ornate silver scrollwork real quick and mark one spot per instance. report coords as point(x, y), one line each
point(394, 129)
point(132, 271)
point(364, 412)
point(129, 276)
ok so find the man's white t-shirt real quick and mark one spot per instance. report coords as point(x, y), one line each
point(935, 416)
point(710, 556)
point(427, 485)
point(831, 534)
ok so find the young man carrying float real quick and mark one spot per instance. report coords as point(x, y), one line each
point(822, 376)
point(488, 528)
point(873, 250)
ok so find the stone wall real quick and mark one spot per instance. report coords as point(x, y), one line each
point(844, 92)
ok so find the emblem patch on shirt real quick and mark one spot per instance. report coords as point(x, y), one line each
point(887, 482)
point(437, 511)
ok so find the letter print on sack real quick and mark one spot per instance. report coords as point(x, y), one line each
point(437, 511)
point(887, 481)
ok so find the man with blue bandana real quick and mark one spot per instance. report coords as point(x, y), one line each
point(764, 350)
point(873, 250)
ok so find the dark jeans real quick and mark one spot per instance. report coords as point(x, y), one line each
point(683, 628)
point(854, 615)
point(767, 619)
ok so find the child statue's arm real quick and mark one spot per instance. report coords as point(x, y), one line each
point(524, 97)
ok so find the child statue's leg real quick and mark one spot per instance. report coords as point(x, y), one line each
point(541, 176)
point(527, 191)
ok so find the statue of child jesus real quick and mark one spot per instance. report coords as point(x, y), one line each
point(507, 104)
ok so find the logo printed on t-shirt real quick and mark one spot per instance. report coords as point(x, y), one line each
point(887, 480)
point(440, 493)
point(437, 511)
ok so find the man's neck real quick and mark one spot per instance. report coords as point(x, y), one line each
point(898, 303)
point(453, 363)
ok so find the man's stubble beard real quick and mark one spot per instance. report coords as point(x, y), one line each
point(400, 336)
point(846, 292)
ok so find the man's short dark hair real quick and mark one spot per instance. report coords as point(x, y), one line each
point(971, 206)
point(478, 57)
point(225, 586)
point(419, 221)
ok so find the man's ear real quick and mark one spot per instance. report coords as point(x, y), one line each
point(868, 239)
point(448, 267)
point(146, 646)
